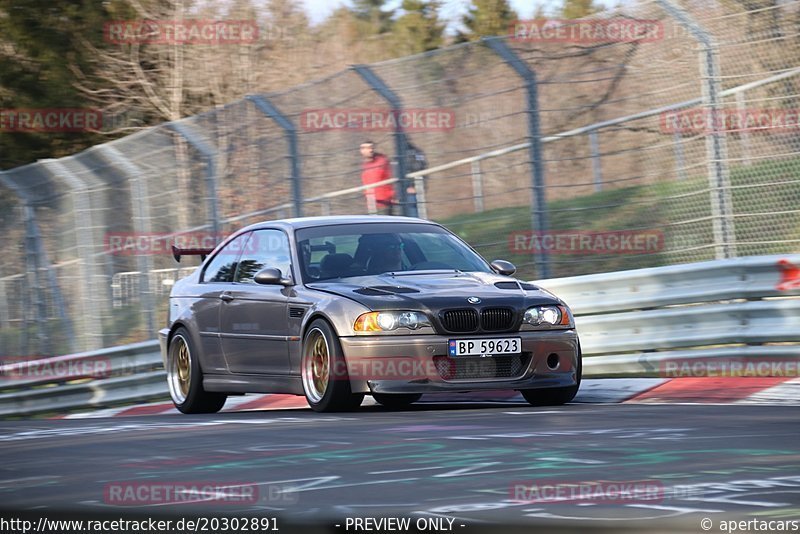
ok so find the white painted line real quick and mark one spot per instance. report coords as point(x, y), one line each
point(533, 413)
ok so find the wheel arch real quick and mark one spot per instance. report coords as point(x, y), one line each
point(313, 317)
point(192, 334)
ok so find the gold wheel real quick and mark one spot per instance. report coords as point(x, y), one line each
point(316, 365)
point(180, 370)
point(323, 370)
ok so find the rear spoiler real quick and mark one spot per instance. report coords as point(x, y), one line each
point(202, 252)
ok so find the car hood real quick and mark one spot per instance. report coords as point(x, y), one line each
point(436, 290)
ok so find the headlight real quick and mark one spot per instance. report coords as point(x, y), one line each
point(547, 315)
point(390, 320)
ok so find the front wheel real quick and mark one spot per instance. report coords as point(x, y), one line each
point(390, 400)
point(185, 379)
point(555, 396)
point(549, 396)
point(324, 373)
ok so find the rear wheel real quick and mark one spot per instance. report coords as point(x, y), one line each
point(390, 400)
point(185, 379)
point(324, 373)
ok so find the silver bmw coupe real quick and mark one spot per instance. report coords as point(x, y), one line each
point(336, 308)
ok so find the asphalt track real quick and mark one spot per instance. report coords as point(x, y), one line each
point(440, 460)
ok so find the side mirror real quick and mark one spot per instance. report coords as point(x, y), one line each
point(269, 276)
point(503, 267)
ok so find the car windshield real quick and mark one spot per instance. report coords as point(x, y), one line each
point(349, 250)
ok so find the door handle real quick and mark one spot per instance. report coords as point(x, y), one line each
point(227, 297)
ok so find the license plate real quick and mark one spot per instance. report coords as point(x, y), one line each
point(485, 347)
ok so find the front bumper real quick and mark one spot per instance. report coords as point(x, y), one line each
point(420, 363)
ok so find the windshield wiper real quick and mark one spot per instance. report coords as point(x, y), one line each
point(427, 271)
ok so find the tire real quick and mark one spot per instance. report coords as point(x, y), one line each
point(324, 373)
point(555, 396)
point(185, 378)
point(390, 400)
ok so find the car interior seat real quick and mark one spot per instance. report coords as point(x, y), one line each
point(337, 265)
point(380, 263)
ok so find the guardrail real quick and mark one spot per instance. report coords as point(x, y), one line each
point(630, 323)
point(107, 377)
point(633, 322)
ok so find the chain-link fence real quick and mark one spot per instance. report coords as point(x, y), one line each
point(566, 148)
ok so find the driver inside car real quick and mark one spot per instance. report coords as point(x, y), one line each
point(387, 254)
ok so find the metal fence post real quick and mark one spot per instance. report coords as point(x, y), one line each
point(680, 159)
point(92, 299)
point(716, 143)
point(210, 157)
point(422, 206)
point(539, 209)
point(32, 261)
point(4, 317)
point(400, 143)
point(36, 262)
point(267, 108)
point(140, 208)
point(477, 186)
point(597, 172)
point(744, 133)
point(44, 264)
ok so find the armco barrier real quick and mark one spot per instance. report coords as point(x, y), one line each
point(755, 277)
point(630, 323)
point(131, 373)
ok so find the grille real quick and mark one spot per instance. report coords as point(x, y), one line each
point(494, 319)
point(509, 366)
point(465, 320)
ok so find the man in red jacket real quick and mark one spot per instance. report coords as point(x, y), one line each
point(375, 167)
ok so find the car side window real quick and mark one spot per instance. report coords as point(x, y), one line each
point(264, 248)
point(223, 264)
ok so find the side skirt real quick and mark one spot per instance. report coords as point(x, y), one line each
point(234, 384)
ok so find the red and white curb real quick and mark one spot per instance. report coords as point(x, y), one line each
point(724, 390)
point(694, 390)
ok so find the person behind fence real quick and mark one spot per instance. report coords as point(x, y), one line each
point(375, 167)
